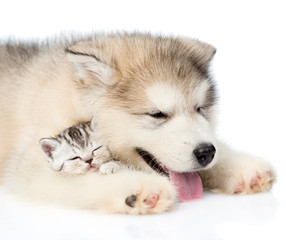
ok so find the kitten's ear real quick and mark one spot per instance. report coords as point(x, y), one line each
point(90, 67)
point(93, 123)
point(49, 145)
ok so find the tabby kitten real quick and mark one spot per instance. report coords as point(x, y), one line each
point(79, 149)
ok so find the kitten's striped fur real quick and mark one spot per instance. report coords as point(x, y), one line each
point(77, 136)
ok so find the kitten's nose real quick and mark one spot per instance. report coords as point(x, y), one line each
point(89, 161)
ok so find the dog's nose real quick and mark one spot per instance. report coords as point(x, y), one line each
point(205, 154)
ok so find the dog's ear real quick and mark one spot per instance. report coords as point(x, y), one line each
point(90, 67)
point(206, 53)
point(201, 53)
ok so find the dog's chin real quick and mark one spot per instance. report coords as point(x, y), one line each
point(152, 161)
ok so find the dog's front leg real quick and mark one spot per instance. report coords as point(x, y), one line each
point(236, 172)
point(131, 192)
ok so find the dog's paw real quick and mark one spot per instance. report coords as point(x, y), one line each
point(252, 176)
point(254, 183)
point(109, 167)
point(149, 201)
point(238, 173)
point(137, 192)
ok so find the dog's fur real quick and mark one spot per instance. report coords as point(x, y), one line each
point(122, 79)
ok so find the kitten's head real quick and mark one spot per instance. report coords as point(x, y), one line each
point(72, 150)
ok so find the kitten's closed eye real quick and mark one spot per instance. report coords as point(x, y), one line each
point(94, 151)
point(75, 158)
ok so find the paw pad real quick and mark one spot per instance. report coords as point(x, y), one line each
point(239, 188)
point(131, 200)
point(151, 200)
point(259, 182)
point(255, 183)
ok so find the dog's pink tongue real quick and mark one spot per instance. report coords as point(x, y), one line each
point(188, 185)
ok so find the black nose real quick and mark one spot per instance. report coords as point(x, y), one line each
point(205, 154)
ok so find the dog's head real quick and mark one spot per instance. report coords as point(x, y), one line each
point(153, 98)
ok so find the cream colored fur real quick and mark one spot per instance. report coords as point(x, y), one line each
point(42, 94)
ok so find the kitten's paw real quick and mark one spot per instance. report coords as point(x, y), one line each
point(149, 201)
point(109, 167)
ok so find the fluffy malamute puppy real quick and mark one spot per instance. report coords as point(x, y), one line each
point(154, 101)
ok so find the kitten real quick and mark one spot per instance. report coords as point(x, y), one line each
point(79, 149)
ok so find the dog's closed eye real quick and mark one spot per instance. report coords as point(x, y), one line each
point(158, 115)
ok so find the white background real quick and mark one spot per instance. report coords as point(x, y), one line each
point(249, 68)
